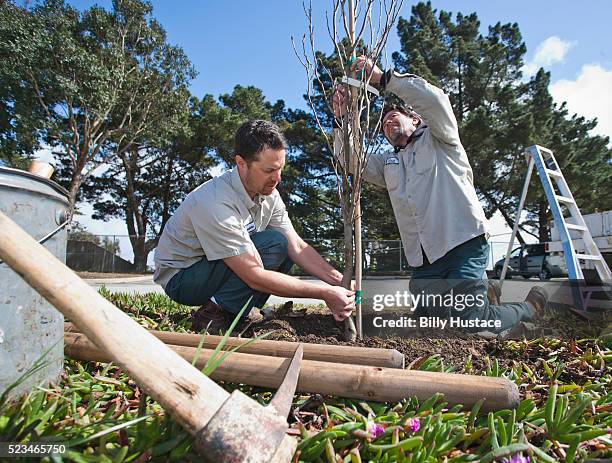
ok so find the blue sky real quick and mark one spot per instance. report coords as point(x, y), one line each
point(249, 43)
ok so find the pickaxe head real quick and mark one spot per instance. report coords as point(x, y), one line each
point(243, 431)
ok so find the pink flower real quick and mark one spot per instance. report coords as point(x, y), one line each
point(375, 430)
point(517, 458)
point(412, 425)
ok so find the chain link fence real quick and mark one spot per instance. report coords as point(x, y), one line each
point(114, 254)
point(102, 254)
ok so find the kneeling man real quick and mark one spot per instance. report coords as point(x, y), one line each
point(443, 227)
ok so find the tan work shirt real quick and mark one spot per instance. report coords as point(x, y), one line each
point(430, 181)
point(216, 220)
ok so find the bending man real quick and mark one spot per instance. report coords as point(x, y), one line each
point(231, 240)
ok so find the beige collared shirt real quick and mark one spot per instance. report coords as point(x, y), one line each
point(430, 181)
point(216, 220)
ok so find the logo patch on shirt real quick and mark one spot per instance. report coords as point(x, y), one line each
point(391, 160)
point(250, 226)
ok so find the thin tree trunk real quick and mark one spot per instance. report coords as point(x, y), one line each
point(350, 332)
point(356, 147)
point(140, 254)
point(347, 275)
point(543, 221)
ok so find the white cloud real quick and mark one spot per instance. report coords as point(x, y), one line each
point(550, 51)
point(589, 96)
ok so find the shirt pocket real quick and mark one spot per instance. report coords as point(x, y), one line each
point(424, 161)
point(391, 173)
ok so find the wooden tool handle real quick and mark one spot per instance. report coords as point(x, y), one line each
point(389, 358)
point(184, 392)
point(355, 381)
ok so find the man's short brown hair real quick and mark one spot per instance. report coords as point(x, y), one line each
point(255, 136)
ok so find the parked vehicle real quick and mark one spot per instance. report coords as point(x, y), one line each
point(530, 260)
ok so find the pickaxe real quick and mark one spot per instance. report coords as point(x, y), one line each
point(226, 427)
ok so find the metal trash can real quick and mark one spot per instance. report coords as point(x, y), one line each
point(31, 329)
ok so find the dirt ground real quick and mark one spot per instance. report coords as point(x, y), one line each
point(316, 325)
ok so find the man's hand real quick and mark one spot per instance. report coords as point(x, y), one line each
point(341, 95)
point(340, 101)
point(363, 63)
point(336, 279)
point(340, 301)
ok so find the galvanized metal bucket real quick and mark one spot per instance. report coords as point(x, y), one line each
point(31, 330)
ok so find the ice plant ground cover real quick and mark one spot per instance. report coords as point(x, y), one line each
point(564, 414)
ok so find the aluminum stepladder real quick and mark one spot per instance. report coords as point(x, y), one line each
point(550, 175)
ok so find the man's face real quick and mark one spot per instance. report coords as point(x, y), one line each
point(397, 127)
point(263, 173)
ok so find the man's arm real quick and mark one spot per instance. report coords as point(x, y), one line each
point(311, 261)
point(299, 252)
point(249, 269)
point(429, 101)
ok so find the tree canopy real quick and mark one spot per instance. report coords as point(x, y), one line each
point(96, 83)
point(109, 96)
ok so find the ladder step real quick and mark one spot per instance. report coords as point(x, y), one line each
point(588, 257)
point(544, 150)
point(564, 199)
point(554, 173)
point(572, 226)
point(559, 198)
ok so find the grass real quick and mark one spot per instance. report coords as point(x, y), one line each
point(105, 417)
